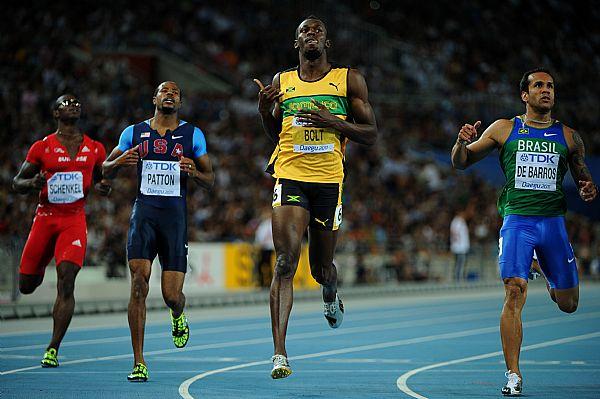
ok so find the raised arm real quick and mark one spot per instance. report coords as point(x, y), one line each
point(363, 127)
point(468, 149)
point(269, 109)
point(579, 170)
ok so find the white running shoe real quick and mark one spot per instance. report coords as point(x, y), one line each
point(334, 312)
point(514, 386)
point(281, 367)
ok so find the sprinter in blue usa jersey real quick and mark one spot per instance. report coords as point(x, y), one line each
point(166, 151)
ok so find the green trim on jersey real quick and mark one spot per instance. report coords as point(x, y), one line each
point(335, 104)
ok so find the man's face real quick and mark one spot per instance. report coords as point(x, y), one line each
point(168, 98)
point(68, 109)
point(312, 38)
point(541, 91)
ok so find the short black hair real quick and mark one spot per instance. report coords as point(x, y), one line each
point(157, 87)
point(524, 84)
point(311, 16)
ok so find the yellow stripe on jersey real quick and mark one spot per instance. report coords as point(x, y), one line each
point(311, 154)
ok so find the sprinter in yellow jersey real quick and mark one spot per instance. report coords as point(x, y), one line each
point(310, 112)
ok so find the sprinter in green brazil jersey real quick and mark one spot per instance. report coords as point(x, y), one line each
point(535, 153)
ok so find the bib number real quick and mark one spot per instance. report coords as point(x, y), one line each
point(160, 178)
point(312, 140)
point(277, 195)
point(338, 217)
point(536, 171)
point(65, 187)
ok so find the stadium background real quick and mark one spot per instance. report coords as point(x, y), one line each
point(429, 69)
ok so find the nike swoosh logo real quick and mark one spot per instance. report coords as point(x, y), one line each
point(570, 260)
point(550, 134)
point(177, 137)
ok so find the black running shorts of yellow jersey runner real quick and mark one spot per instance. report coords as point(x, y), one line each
point(322, 200)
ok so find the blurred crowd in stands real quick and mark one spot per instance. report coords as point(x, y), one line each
point(429, 69)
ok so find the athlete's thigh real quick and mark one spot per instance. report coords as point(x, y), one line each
point(516, 245)
point(72, 240)
point(321, 246)
point(325, 205)
point(39, 247)
point(141, 237)
point(556, 256)
point(289, 225)
point(172, 244)
point(290, 216)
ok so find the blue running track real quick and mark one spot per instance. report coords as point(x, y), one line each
point(443, 345)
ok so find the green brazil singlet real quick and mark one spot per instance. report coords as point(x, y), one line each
point(534, 162)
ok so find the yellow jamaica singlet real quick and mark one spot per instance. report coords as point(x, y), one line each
point(311, 154)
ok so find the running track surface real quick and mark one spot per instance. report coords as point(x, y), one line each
point(443, 345)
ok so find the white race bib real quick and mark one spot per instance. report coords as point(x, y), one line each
point(338, 217)
point(313, 140)
point(160, 178)
point(277, 195)
point(65, 187)
point(536, 171)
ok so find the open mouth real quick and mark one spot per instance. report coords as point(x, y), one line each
point(168, 101)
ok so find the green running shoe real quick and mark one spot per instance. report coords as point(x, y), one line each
point(180, 330)
point(139, 373)
point(50, 358)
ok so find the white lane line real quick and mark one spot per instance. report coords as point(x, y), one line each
point(256, 341)
point(263, 340)
point(228, 328)
point(402, 381)
point(184, 387)
point(245, 327)
point(304, 316)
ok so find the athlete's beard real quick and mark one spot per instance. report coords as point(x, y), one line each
point(542, 110)
point(69, 120)
point(167, 111)
point(312, 55)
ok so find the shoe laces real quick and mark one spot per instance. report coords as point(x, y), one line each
point(513, 379)
point(178, 323)
point(280, 361)
point(331, 308)
point(139, 368)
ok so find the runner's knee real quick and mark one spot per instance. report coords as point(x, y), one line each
point(28, 284)
point(515, 294)
point(67, 272)
point(66, 287)
point(172, 299)
point(139, 286)
point(26, 288)
point(569, 305)
point(284, 266)
point(323, 274)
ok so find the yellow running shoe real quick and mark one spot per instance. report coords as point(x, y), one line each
point(50, 358)
point(180, 330)
point(139, 373)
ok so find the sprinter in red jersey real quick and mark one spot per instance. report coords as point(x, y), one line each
point(61, 167)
